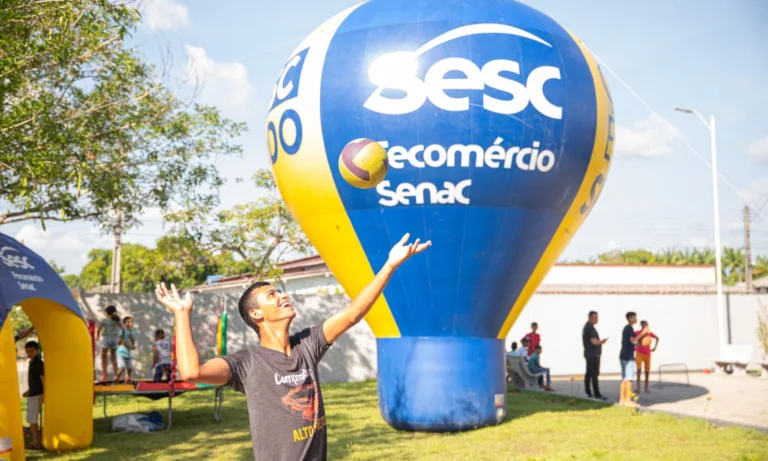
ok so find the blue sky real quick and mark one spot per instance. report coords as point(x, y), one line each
point(707, 55)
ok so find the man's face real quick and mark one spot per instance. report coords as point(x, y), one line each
point(593, 319)
point(129, 324)
point(274, 306)
point(31, 352)
point(633, 320)
point(534, 327)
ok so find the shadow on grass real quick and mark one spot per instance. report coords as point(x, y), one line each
point(194, 434)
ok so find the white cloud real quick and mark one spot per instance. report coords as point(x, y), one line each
point(164, 14)
point(652, 137)
point(224, 84)
point(33, 237)
point(759, 149)
point(757, 192)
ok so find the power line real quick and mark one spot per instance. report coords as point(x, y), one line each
point(674, 132)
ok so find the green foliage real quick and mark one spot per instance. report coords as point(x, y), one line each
point(20, 319)
point(732, 260)
point(762, 328)
point(87, 127)
point(258, 232)
point(174, 259)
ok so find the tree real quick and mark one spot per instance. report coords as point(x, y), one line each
point(97, 270)
point(87, 128)
point(174, 260)
point(258, 232)
point(762, 328)
point(732, 260)
point(192, 264)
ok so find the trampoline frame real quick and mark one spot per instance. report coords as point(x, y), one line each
point(218, 400)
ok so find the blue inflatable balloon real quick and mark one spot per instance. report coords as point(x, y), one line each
point(498, 128)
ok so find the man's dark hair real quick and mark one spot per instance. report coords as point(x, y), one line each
point(525, 340)
point(534, 324)
point(513, 345)
point(32, 345)
point(248, 302)
point(127, 318)
point(644, 323)
point(631, 314)
point(591, 313)
point(160, 332)
point(111, 310)
point(537, 348)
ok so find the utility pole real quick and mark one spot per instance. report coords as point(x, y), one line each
point(116, 234)
point(747, 251)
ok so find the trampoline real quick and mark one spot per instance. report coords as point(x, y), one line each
point(157, 391)
point(160, 390)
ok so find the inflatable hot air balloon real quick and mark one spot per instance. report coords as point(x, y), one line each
point(498, 128)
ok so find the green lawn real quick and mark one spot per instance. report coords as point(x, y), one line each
point(539, 426)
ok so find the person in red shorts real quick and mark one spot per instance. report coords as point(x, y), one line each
point(534, 339)
point(643, 353)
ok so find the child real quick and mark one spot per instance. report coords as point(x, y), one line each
point(162, 356)
point(127, 344)
point(643, 353)
point(34, 394)
point(110, 327)
point(535, 367)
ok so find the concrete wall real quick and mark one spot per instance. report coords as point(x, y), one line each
point(599, 274)
point(686, 324)
point(353, 358)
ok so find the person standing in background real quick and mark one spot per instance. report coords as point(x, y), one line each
point(534, 339)
point(109, 330)
point(627, 359)
point(643, 353)
point(161, 362)
point(593, 347)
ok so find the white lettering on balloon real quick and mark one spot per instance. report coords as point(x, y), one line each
point(495, 156)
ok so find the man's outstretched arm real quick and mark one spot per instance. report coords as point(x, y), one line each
point(215, 371)
point(339, 323)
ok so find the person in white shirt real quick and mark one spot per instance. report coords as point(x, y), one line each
point(522, 351)
point(162, 356)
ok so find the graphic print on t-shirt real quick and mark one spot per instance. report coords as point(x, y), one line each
point(302, 399)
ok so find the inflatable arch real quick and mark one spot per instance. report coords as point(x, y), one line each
point(26, 280)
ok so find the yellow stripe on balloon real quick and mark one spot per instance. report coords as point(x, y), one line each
point(585, 198)
point(306, 183)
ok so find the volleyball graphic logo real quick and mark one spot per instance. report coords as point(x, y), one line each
point(498, 130)
point(363, 163)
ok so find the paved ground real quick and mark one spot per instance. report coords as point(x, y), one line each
point(740, 400)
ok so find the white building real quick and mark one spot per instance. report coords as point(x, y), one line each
point(311, 275)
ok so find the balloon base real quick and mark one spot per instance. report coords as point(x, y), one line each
point(441, 384)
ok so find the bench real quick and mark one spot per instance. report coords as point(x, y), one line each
point(523, 375)
point(736, 356)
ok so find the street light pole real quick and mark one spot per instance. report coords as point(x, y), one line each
point(716, 201)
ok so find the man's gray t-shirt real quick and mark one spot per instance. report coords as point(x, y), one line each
point(285, 405)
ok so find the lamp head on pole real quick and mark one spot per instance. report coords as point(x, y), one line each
point(680, 109)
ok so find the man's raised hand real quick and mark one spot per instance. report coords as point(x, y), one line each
point(171, 299)
point(401, 252)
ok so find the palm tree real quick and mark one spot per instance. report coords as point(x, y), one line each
point(733, 265)
point(760, 268)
